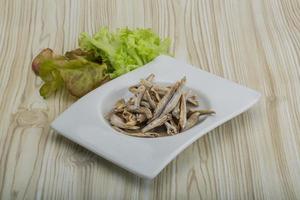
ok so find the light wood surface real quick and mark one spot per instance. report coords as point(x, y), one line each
point(253, 42)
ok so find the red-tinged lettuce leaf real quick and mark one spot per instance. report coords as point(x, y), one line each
point(73, 71)
point(45, 54)
point(50, 87)
point(81, 76)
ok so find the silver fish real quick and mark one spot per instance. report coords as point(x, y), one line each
point(134, 89)
point(182, 115)
point(161, 90)
point(157, 122)
point(194, 118)
point(119, 105)
point(140, 117)
point(171, 129)
point(140, 134)
point(176, 111)
point(192, 98)
point(146, 83)
point(142, 110)
point(155, 94)
point(150, 100)
point(118, 122)
point(139, 96)
point(175, 98)
point(129, 118)
point(145, 104)
point(163, 102)
point(150, 77)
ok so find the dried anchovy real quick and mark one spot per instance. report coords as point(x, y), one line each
point(155, 94)
point(194, 118)
point(171, 128)
point(141, 117)
point(157, 122)
point(150, 100)
point(176, 111)
point(129, 118)
point(145, 104)
point(133, 89)
point(142, 110)
point(161, 90)
point(118, 122)
point(163, 102)
point(146, 83)
point(192, 99)
point(175, 98)
point(141, 134)
point(120, 105)
point(182, 115)
point(150, 77)
point(139, 96)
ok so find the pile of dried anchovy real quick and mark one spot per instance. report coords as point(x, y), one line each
point(156, 110)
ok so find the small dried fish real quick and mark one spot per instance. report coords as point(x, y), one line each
point(145, 111)
point(171, 129)
point(155, 94)
point(146, 83)
point(120, 105)
point(192, 99)
point(130, 101)
point(133, 89)
point(182, 115)
point(150, 77)
point(203, 112)
point(175, 98)
point(129, 118)
point(161, 90)
point(194, 118)
point(139, 96)
point(118, 122)
point(141, 134)
point(150, 100)
point(176, 111)
point(142, 110)
point(163, 102)
point(140, 117)
point(157, 122)
point(173, 123)
point(145, 104)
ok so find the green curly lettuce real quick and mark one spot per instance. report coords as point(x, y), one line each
point(124, 50)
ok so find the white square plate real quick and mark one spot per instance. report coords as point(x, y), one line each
point(84, 122)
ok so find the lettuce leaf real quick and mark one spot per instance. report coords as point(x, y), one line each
point(74, 71)
point(124, 50)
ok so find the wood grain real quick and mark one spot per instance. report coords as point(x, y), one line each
point(254, 156)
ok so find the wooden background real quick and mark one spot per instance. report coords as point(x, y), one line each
point(253, 42)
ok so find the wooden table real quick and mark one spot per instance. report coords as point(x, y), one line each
point(256, 155)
